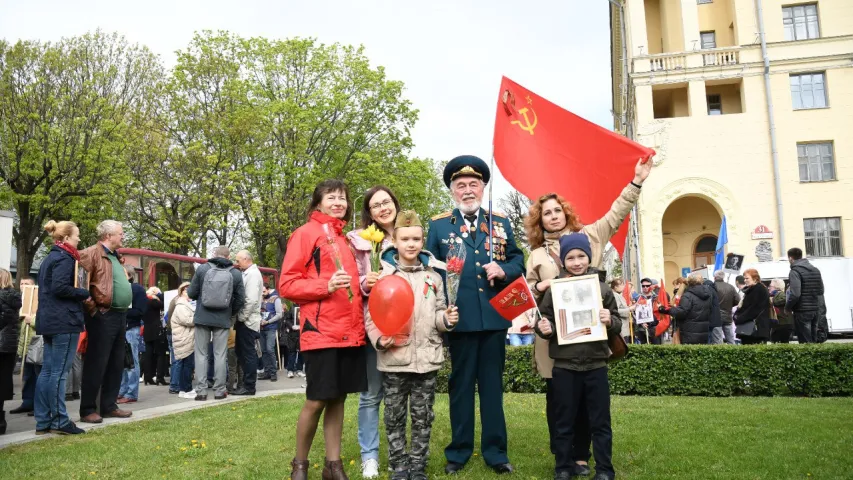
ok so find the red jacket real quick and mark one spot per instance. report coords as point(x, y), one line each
point(326, 320)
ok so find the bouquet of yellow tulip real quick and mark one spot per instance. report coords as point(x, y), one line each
point(374, 236)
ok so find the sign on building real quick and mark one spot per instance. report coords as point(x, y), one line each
point(761, 232)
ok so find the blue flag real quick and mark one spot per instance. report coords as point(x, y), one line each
point(722, 240)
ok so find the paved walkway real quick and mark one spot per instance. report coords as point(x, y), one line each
point(154, 401)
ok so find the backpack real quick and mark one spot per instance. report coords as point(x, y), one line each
point(217, 288)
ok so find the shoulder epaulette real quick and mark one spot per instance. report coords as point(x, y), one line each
point(499, 214)
point(442, 215)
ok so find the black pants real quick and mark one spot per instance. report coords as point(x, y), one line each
point(781, 334)
point(582, 439)
point(806, 325)
point(571, 389)
point(104, 362)
point(477, 359)
point(244, 347)
point(154, 361)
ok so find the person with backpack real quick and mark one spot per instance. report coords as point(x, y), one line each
point(217, 287)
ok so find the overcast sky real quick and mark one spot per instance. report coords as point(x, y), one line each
point(450, 53)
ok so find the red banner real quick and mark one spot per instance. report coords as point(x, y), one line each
point(542, 148)
point(513, 300)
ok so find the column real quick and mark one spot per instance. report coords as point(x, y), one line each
point(697, 102)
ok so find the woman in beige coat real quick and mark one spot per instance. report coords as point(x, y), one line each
point(550, 217)
point(183, 340)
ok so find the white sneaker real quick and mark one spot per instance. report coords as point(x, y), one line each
point(289, 374)
point(301, 373)
point(191, 394)
point(370, 468)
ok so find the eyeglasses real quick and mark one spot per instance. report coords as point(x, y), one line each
point(646, 286)
point(384, 204)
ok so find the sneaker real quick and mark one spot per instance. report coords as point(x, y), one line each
point(370, 468)
point(274, 378)
point(400, 475)
point(289, 374)
point(201, 398)
point(75, 395)
point(188, 395)
point(301, 373)
point(69, 429)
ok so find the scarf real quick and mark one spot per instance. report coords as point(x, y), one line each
point(68, 249)
point(336, 224)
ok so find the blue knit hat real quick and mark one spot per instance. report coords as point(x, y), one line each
point(574, 241)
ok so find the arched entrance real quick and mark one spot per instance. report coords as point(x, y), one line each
point(689, 227)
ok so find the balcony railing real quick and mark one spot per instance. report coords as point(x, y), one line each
point(674, 61)
point(721, 57)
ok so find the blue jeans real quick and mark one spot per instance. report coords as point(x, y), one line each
point(294, 361)
point(174, 381)
point(368, 410)
point(130, 376)
point(270, 364)
point(184, 372)
point(519, 339)
point(59, 351)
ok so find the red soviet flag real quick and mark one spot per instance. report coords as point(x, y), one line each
point(542, 148)
point(513, 300)
point(663, 321)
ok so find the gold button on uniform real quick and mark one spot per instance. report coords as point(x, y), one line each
point(476, 251)
point(478, 264)
point(481, 289)
point(479, 276)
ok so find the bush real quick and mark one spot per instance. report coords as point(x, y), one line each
point(816, 370)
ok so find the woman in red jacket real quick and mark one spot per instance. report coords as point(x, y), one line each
point(319, 274)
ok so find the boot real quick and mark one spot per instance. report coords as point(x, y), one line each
point(2, 422)
point(299, 469)
point(334, 471)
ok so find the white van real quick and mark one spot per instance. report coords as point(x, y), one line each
point(837, 276)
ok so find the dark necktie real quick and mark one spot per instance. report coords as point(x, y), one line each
point(472, 226)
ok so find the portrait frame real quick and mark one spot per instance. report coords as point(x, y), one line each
point(577, 303)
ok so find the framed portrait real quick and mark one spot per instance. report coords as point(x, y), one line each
point(643, 313)
point(577, 302)
point(29, 300)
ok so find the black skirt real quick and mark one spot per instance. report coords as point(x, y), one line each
point(334, 372)
point(7, 366)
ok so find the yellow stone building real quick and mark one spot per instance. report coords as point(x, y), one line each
point(749, 104)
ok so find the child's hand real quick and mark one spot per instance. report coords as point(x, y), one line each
point(545, 327)
point(386, 342)
point(604, 316)
point(452, 315)
point(371, 280)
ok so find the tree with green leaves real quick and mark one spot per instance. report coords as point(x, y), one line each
point(70, 112)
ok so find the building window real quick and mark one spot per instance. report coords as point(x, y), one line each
point(715, 105)
point(808, 90)
point(816, 162)
point(709, 40)
point(823, 237)
point(800, 22)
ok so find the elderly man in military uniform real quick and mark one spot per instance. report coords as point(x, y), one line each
point(478, 343)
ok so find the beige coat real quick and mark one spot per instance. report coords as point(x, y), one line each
point(422, 351)
point(542, 266)
point(183, 328)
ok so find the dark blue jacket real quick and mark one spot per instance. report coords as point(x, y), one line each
point(138, 307)
point(60, 304)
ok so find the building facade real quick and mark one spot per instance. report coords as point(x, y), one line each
point(689, 81)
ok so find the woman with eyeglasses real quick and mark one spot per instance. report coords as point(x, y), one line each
point(379, 209)
point(549, 218)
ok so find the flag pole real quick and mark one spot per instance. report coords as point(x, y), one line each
point(489, 226)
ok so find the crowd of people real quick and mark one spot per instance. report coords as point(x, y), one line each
point(217, 319)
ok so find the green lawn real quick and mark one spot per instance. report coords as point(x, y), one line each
point(654, 437)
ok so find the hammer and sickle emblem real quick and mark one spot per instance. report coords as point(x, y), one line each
point(527, 126)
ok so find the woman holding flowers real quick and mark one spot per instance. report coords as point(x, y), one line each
point(378, 214)
point(319, 273)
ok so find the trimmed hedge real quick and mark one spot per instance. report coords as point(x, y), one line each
point(815, 370)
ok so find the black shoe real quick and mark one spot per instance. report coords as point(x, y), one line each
point(273, 379)
point(400, 475)
point(69, 397)
point(201, 398)
point(162, 383)
point(243, 391)
point(581, 470)
point(564, 475)
point(75, 395)
point(220, 397)
point(452, 468)
point(603, 476)
point(263, 376)
point(43, 432)
point(503, 468)
point(21, 409)
point(31, 413)
point(418, 474)
point(69, 429)
point(173, 392)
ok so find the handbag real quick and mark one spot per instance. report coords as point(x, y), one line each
point(618, 347)
point(746, 330)
point(128, 356)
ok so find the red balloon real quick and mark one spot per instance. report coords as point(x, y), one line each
point(391, 304)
